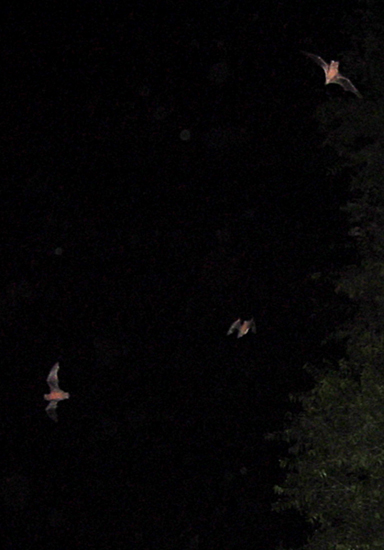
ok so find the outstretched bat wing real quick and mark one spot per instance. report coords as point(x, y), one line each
point(347, 85)
point(235, 326)
point(53, 381)
point(51, 410)
point(318, 60)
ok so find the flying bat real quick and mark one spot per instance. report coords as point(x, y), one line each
point(56, 394)
point(242, 327)
point(332, 75)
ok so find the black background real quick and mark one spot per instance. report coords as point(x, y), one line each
point(162, 176)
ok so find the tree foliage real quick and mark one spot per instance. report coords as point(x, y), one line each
point(335, 467)
point(335, 472)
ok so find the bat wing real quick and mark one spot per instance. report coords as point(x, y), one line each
point(235, 326)
point(53, 381)
point(51, 410)
point(318, 60)
point(252, 326)
point(347, 85)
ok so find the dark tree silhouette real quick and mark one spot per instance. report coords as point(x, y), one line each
point(335, 468)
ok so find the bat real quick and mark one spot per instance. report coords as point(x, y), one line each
point(242, 327)
point(56, 394)
point(332, 75)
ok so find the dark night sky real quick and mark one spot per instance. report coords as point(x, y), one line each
point(162, 176)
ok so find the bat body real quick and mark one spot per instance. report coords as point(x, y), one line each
point(242, 327)
point(56, 394)
point(332, 75)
